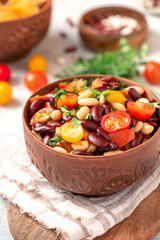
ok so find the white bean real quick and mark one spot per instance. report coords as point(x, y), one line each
point(111, 153)
point(138, 126)
point(86, 132)
point(82, 145)
point(56, 115)
point(82, 113)
point(138, 89)
point(57, 132)
point(144, 100)
point(102, 100)
point(37, 135)
point(85, 94)
point(119, 106)
point(147, 128)
point(92, 148)
point(60, 149)
point(88, 102)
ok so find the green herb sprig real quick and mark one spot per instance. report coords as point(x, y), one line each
point(54, 140)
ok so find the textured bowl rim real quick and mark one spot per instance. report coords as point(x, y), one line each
point(93, 32)
point(101, 157)
point(44, 7)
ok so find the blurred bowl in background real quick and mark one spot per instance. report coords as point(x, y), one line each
point(18, 37)
point(98, 40)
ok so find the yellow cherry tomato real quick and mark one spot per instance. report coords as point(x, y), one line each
point(38, 63)
point(71, 134)
point(5, 93)
point(115, 96)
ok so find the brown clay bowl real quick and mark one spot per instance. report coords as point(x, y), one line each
point(98, 41)
point(19, 36)
point(91, 175)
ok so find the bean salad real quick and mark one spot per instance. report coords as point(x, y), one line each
point(101, 116)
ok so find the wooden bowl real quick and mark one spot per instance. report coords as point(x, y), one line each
point(99, 41)
point(19, 36)
point(91, 175)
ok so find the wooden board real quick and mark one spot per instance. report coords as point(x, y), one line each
point(143, 224)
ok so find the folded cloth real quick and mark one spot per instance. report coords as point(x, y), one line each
point(71, 216)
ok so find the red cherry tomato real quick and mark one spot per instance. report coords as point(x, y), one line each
point(122, 137)
point(37, 97)
point(115, 121)
point(62, 85)
point(152, 72)
point(34, 80)
point(69, 100)
point(4, 73)
point(140, 111)
point(41, 116)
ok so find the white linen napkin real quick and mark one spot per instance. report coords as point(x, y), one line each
point(71, 216)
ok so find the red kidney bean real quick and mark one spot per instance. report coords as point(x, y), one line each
point(90, 125)
point(152, 100)
point(66, 145)
point(46, 138)
point(114, 84)
point(49, 95)
point(43, 128)
point(109, 79)
point(79, 152)
point(98, 141)
point(107, 107)
point(52, 102)
point(68, 118)
point(138, 139)
point(102, 89)
point(54, 124)
point(113, 146)
point(134, 94)
point(97, 112)
point(102, 150)
point(103, 134)
point(89, 154)
point(154, 124)
point(154, 119)
point(133, 121)
point(35, 106)
point(127, 97)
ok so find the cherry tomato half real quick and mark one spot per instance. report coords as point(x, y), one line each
point(122, 137)
point(69, 100)
point(4, 73)
point(34, 80)
point(97, 83)
point(5, 93)
point(152, 72)
point(41, 116)
point(115, 121)
point(139, 110)
point(62, 85)
point(71, 134)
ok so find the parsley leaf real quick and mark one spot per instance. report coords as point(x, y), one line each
point(154, 104)
point(75, 122)
point(88, 117)
point(38, 115)
point(91, 80)
point(56, 90)
point(57, 95)
point(54, 140)
point(122, 85)
point(75, 89)
point(67, 112)
point(84, 86)
point(105, 94)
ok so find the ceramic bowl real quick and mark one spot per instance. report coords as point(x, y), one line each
point(98, 41)
point(19, 36)
point(91, 175)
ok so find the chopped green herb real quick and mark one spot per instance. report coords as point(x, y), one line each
point(129, 146)
point(105, 93)
point(56, 90)
point(49, 118)
point(64, 82)
point(154, 104)
point(53, 141)
point(38, 115)
point(114, 87)
point(75, 89)
point(67, 112)
point(84, 86)
point(75, 122)
point(123, 85)
point(57, 95)
point(91, 80)
point(62, 121)
point(88, 117)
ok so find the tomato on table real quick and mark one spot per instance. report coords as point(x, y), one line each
point(37, 63)
point(152, 72)
point(115, 121)
point(5, 93)
point(37, 97)
point(4, 73)
point(62, 85)
point(140, 110)
point(69, 100)
point(41, 116)
point(71, 134)
point(34, 80)
point(122, 137)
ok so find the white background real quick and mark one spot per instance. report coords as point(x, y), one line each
point(11, 131)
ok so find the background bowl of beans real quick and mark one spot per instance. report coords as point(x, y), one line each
point(19, 36)
point(102, 28)
point(101, 173)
